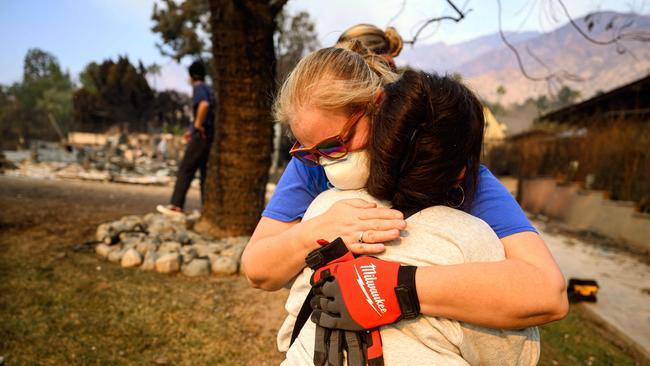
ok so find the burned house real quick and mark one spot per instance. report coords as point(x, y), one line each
point(630, 102)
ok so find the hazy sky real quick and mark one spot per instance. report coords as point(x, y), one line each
point(80, 31)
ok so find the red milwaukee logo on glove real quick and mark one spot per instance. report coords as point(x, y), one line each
point(368, 281)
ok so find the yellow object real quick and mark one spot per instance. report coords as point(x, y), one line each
point(586, 290)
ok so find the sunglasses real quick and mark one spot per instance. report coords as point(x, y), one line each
point(332, 147)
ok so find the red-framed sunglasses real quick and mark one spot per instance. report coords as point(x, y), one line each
point(332, 147)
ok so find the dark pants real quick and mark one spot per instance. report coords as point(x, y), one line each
point(196, 157)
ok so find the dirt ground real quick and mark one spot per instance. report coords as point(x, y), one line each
point(58, 306)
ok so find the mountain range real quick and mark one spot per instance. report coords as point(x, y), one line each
point(485, 63)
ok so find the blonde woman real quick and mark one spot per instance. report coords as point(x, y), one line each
point(318, 100)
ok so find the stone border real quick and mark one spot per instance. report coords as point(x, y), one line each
point(167, 244)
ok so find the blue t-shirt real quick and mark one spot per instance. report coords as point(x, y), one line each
point(300, 184)
point(200, 92)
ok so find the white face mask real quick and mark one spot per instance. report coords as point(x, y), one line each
point(350, 172)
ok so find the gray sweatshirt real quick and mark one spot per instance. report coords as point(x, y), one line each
point(435, 236)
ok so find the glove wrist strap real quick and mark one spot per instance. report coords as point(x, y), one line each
point(406, 292)
point(325, 254)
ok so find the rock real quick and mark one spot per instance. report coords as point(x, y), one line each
point(188, 254)
point(182, 237)
point(217, 247)
point(132, 222)
point(149, 263)
point(116, 227)
point(224, 266)
point(166, 237)
point(145, 246)
point(196, 238)
point(102, 231)
point(131, 258)
point(104, 250)
point(192, 218)
point(179, 220)
point(111, 238)
point(168, 263)
point(116, 255)
point(130, 242)
point(128, 235)
point(234, 250)
point(161, 228)
point(202, 250)
point(148, 218)
point(197, 267)
point(212, 257)
point(169, 247)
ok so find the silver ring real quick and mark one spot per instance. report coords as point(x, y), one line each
point(361, 237)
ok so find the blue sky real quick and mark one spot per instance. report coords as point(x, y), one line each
point(82, 31)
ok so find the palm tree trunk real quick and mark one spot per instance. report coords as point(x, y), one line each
point(244, 61)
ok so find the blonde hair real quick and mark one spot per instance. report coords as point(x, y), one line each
point(387, 42)
point(343, 79)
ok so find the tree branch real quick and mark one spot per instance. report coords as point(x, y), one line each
point(514, 50)
point(619, 34)
point(460, 16)
point(399, 12)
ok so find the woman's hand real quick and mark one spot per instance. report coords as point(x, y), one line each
point(351, 218)
point(283, 246)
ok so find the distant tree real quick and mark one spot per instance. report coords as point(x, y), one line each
point(542, 103)
point(501, 90)
point(38, 107)
point(172, 110)
point(457, 76)
point(154, 71)
point(566, 96)
point(114, 92)
point(184, 28)
point(295, 37)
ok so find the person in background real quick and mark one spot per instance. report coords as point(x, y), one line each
point(199, 138)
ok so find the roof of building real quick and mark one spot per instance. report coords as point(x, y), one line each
point(629, 99)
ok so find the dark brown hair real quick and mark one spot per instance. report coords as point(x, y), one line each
point(424, 132)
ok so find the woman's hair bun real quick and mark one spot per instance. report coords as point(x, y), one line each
point(376, 40)
point(395, 42)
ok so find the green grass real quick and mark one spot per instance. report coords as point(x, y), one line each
point(577, 341)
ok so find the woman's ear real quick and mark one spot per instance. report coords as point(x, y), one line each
point(379, 96)
point(461, 175)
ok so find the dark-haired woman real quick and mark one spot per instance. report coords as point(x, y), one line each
point(329, 100)
point(424, 142)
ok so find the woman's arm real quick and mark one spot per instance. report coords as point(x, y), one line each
point(276, 251)
point(524, 290)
